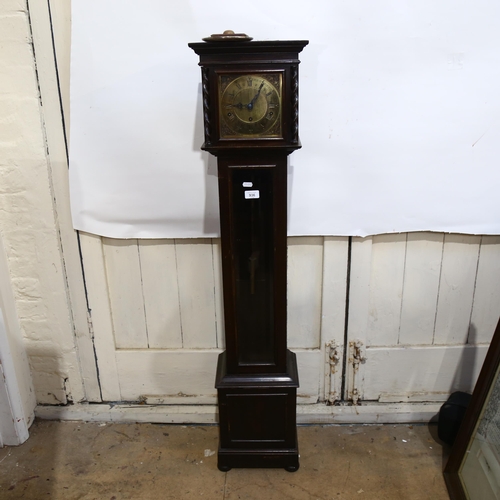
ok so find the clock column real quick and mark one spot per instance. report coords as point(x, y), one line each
point(257, 375)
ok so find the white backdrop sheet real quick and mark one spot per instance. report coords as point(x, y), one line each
point(399, 115)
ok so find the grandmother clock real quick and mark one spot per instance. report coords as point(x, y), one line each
point(250, 109)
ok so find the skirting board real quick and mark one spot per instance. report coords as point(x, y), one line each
point(369, 413)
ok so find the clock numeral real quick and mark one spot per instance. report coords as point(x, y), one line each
point(269, 93)
point(272, 104)
point(249, 82)
point(238, 85)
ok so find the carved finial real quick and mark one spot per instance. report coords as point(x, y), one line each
point(228, 36)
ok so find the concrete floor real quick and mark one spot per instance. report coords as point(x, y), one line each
point(76, 460)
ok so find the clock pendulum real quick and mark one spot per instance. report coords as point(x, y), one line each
point(250, 111)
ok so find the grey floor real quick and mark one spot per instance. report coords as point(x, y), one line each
point(76, 460)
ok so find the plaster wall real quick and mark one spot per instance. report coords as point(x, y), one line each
point(28, 217)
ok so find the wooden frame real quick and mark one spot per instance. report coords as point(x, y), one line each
point(480, 398)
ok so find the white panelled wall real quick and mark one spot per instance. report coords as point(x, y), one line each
point(423, 306)
point(391, 322)
point(421, 311)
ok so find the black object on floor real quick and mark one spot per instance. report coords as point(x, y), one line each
point(451, 415)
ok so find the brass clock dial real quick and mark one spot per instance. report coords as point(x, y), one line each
point(250, 105)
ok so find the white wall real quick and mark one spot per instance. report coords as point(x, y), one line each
point(399, 110)
point(17, 397)
point(28, 219)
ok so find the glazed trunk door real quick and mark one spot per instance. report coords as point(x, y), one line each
point(156, 313)
point(422, 311)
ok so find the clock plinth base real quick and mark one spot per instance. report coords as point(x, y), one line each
point(257, 418)
point(258, 459)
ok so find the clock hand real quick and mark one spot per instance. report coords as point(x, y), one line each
point(255, 97)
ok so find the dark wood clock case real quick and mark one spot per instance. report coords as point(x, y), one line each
point(257, 377)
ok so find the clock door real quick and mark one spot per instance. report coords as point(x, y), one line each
point(253, 210)
point(252, 240)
